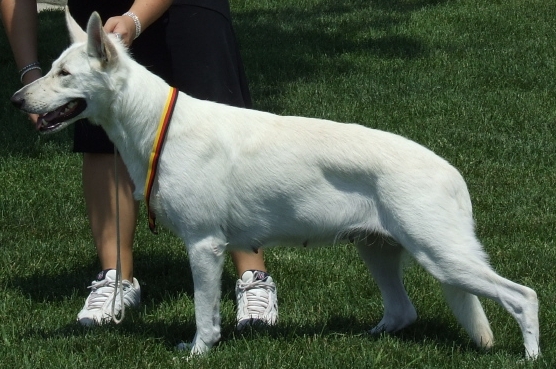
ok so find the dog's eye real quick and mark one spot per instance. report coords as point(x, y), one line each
point(63, 73)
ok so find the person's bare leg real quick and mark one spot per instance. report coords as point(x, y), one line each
point(99, 187)
point(248, 261)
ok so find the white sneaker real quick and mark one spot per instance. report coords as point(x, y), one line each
point(98, 306)
point(256, 299)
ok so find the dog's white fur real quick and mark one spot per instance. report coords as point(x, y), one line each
point(233, 178)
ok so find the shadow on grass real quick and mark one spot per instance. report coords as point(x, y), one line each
point(281, 46)
point(421, 331)
point(169, 334)
point(161, 277)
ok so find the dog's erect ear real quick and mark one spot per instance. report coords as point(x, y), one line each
point(99, 46)
point(76, 33)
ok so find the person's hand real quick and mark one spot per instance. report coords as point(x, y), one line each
point(122, 25)
point(28, 78)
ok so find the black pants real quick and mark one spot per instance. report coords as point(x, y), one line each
point(194, 49)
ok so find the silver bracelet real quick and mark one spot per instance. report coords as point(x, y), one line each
point(136, 21)
point(28, 68)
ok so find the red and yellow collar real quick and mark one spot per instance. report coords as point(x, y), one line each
point(163, 125)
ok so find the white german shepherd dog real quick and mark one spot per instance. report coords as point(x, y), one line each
point(232, 178)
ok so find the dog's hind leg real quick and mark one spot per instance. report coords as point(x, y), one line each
point(459, 263)
point(470, 314)
point(384, 258)
point(520, 301)
point(206, 257)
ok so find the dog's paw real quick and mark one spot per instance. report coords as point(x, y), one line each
point(391, 325)
point(378, 330)
point(194, 348)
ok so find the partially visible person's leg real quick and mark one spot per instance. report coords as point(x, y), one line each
point(104, 213)
point(244, 261)
point(99, 187)
point(206, 64)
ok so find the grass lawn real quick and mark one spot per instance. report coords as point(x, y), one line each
point(471, 79)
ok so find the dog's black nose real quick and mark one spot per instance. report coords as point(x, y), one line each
point(17, 101)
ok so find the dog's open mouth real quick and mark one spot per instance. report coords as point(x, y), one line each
point(54, 120)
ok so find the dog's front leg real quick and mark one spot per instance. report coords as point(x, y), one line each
point(206, 257)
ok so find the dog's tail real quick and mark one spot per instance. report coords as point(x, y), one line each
point(470, 314)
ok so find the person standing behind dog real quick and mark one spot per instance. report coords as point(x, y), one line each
point(189, 43)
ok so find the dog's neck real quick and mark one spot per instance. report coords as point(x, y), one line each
point(132, 121)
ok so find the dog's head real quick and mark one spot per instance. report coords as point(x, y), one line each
point(78, 80)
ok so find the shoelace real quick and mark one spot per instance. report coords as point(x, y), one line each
point(256, 301)
point(101, 291)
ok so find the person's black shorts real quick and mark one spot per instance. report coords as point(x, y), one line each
point(193, 48)
point(205, 57)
